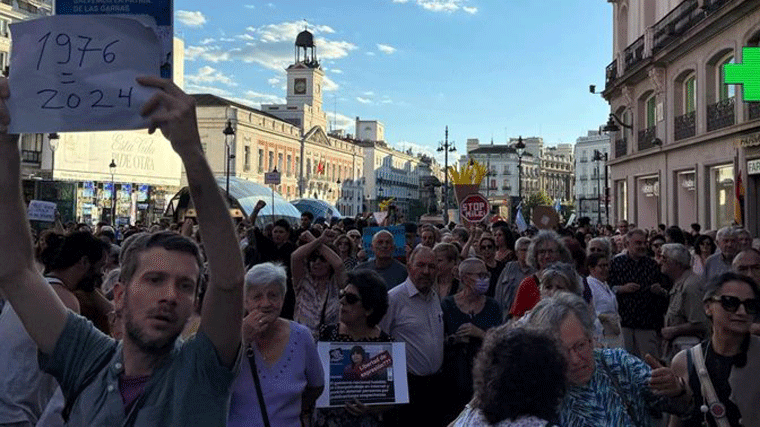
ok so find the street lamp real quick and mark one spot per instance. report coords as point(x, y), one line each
point(599, 156)
point(112, 167)
point(53, 141)
point(229, 134)
point(446, 147)
point(520, 148)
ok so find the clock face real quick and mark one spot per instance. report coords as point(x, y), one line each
point(299, 87)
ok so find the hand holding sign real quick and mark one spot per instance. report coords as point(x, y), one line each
point(77, 73)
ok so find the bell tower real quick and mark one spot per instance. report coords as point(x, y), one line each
point(305, 75)
point(303, 106)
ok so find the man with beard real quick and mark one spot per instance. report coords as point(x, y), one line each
point(71, 262)
point(415, 317)
point(147, 379)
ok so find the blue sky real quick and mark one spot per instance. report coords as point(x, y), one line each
point(485, 68)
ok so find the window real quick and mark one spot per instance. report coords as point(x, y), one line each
point(270, 165)
point(261, 160)
point(289, 166)
point(279, 162)
point(308, 168)
point(690, 95)
point(246, 158)
point(725, 91)
point(721, 196)
point(650, 112)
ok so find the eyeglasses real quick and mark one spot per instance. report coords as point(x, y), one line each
point(731, 304)
point(480, 275)
point(349, 297)
point(486, 247)
point(744, 269)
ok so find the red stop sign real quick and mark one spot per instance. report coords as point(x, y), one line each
point(474, 208)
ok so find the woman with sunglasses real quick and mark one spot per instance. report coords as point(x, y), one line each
point(466, 317)
point(318, 275)
point(363, 303)
point(731, 356)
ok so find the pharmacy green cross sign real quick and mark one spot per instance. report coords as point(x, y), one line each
point(746, 74)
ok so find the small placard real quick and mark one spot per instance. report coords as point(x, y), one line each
point(272, 178)
point(41, 211)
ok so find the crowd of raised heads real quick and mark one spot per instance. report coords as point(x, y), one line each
point(215, 321)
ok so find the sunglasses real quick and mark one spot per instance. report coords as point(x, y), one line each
point(731, 304)
point(349, 297)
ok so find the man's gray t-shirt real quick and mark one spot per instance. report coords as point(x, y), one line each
point(393, 275)
point(190, 387)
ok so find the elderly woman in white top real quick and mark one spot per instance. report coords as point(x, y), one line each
point(607, 330)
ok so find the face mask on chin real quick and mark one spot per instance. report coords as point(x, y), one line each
point(481, 286)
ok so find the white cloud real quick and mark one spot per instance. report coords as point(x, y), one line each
point(336, 71)
point(208, 74)
point(363, 100)
point(207, 41)
point(273, 81)
point(416, 148)
point(249, 6)
point(271, 5)
point(328, 85)
point(446, 6)
point(340, 121)
point(194, 88)
point(368, 93)
point(370, 53)
point(207, 53)
point(386, 48)
point(191, 19)
point(262, 98)
point(286, 31)
point(386, 101)
point(271, 46)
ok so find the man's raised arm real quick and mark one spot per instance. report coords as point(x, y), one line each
point(173, 111)
point(39, 308)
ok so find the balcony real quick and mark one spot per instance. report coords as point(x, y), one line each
point(621, 147)
point(720, 114)
point(646, 138)
point(754, 110)
point(682, 18)
point(611, 73)
point(685, 126)
point(634, 53)
point(31, 156)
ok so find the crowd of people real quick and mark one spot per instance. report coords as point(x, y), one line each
point(213, 323)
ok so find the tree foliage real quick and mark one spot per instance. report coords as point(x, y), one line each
point(535, 199)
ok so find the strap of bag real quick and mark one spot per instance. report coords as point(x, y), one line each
point(257, 382)
point(708, 391)
point(619, 391)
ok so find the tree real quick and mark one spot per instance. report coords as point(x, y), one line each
point(535, 199)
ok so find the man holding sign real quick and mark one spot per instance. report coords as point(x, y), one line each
point(148, 379)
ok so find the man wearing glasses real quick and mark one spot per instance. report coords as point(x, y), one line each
point(747, 263)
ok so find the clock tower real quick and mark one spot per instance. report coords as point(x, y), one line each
point(304, 97)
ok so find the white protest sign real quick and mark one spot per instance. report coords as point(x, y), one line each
point(77, 73)
point(41, 211)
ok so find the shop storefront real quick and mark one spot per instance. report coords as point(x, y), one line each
point(135, 203)
point(686, 198)
point(721, 195)
point(648, 199)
